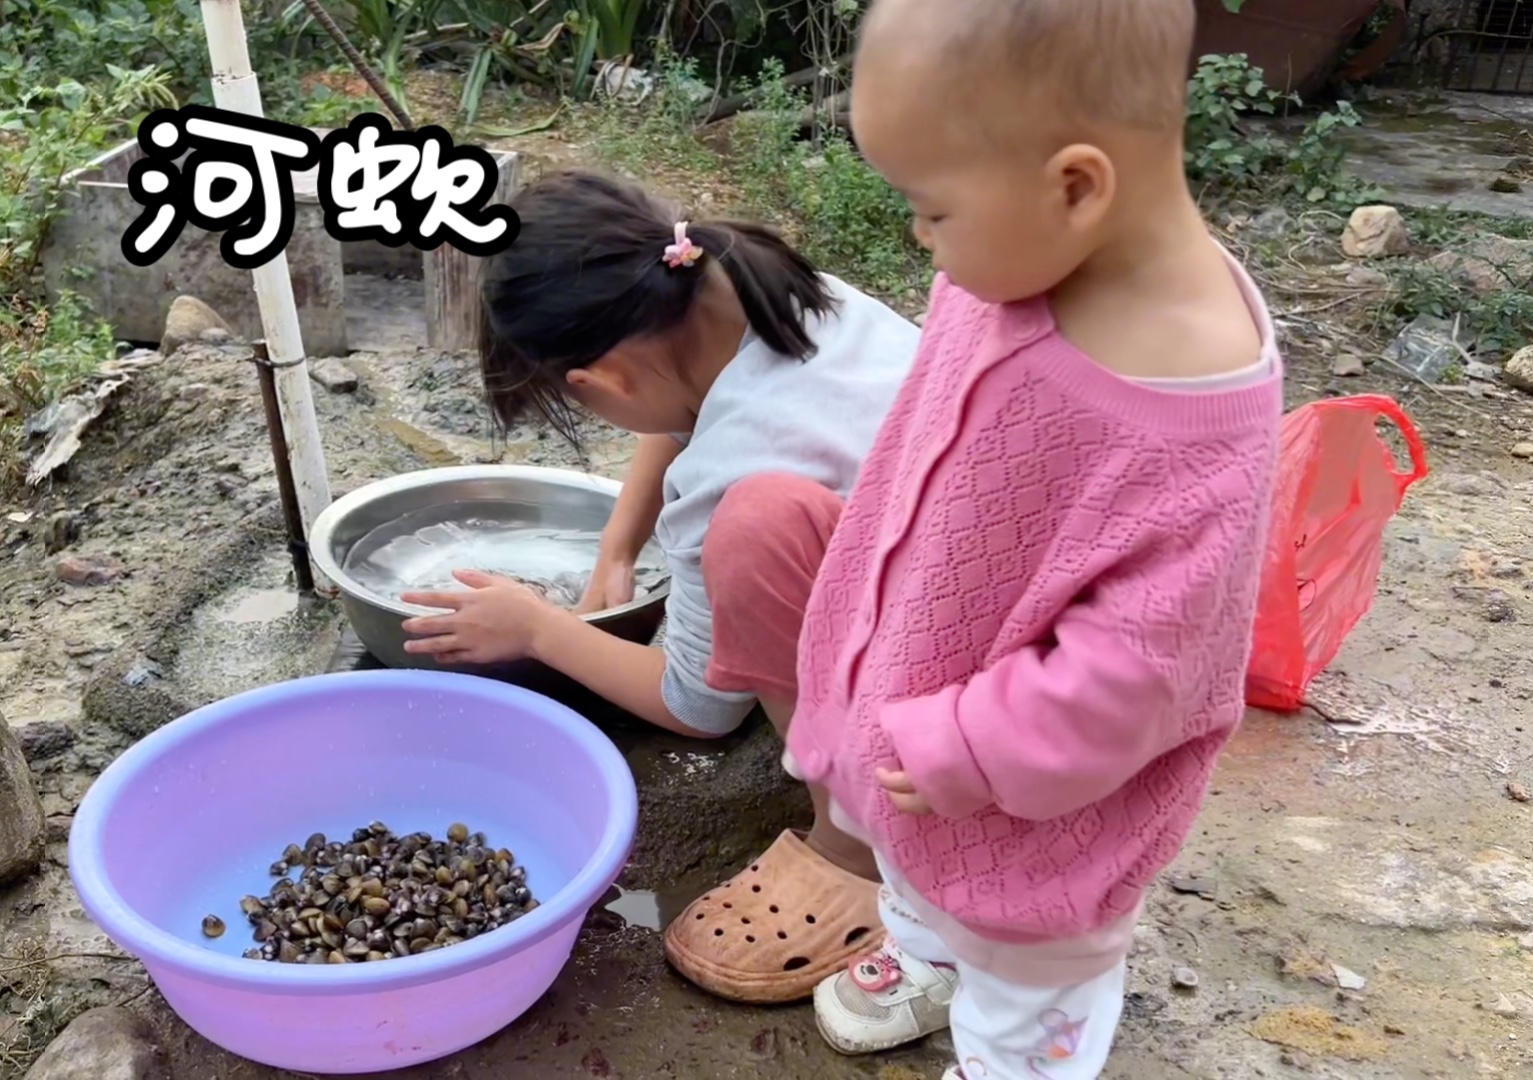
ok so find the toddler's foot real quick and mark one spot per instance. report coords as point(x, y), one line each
point(883, 1000)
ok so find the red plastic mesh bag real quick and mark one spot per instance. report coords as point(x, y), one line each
point(1338, 486)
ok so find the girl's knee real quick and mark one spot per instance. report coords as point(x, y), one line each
point(767, 527)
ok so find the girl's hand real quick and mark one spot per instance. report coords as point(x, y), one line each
point(902, 792)
point(497, 621)
point(611, 584)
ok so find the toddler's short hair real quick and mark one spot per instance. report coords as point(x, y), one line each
point(1104, 61)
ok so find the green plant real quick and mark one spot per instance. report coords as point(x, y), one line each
point(1497, 322)
point(616, 21)
point(848, 218)
point(1233, 142)
point(659, 130)
point(1436, 226)
point(46, 134)
point(1316, 163)
point(1223, 92)
point(43, 42)
point(1234, 6)
point(43, 350)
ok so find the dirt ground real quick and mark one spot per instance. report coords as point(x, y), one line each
point(1356, 902)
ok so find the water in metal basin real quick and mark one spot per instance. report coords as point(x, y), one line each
point(418, 553)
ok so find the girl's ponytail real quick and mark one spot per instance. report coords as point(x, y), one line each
point(591, 268)
point(777, 287)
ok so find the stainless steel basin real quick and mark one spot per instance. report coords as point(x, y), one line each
point(550, 498)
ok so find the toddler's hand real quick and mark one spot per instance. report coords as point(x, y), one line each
point(902, 792)
point(495, 620)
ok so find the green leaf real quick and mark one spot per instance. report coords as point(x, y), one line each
point(474, 83)
point(1234, 6)
point(585, 54)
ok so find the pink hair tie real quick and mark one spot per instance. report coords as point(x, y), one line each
point(683, 252)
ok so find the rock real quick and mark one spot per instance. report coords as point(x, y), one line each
point(1184, 978)
point(1519, 370)
point(89, 569)
point(1348, 979)
point(1348, 365)
point(1505, 185)
point(1478, 371)
point(142, 673)
point(1499, 608)
point(21, 812)
point(1517, 793)
point(1429, 347)
point(44, 739)
point(100, 1044)
point(1504, 1006)
point(186, 322)
point(1366, 277)
point(1488, 263)
point(1374, 232)
point(215, 335)
point(1523, 450)
point(1194, 886)
point(1526, 942)
point(333, 375)
point(62, 530)
point(1272, 223)
point(1468, 484)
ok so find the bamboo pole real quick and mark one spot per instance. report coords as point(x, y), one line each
point(235, 88)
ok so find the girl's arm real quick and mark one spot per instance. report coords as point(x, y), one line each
point(1056, 726)
point(626, 673)
point(638, 506)
point(631, 525)
point(497, 620)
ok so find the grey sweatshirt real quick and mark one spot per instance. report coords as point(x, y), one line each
point(770, 413)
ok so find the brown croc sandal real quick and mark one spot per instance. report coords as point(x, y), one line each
point(774, 931)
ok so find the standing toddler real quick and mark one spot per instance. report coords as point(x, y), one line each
point(1027, 641)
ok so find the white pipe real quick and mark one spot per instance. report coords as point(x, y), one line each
point(235, 88)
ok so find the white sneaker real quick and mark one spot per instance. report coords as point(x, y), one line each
point(953, 1074)
point(883, 1000)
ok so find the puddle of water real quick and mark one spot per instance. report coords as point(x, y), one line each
point(652, 910)
point(257, 633)
point(637, 907)
point(262, 606)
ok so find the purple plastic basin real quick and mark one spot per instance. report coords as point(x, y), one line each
point(188, 820)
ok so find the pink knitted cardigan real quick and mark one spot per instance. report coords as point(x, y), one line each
point(1038, 602)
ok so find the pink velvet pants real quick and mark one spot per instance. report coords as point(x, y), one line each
point(760, 558)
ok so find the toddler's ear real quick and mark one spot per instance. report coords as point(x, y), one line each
point(1086, 181)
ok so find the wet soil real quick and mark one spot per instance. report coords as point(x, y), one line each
point(1457, 151)
point(1357, 898)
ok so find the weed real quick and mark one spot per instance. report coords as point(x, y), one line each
point(1437, 227)
point(51, 131)
point(850, 220)
point(43, 41)
point(659, 129)
point(1230, 155)
point(47, 134)
point(1497, 322)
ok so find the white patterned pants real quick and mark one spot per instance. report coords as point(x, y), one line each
point(1003, 1031)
